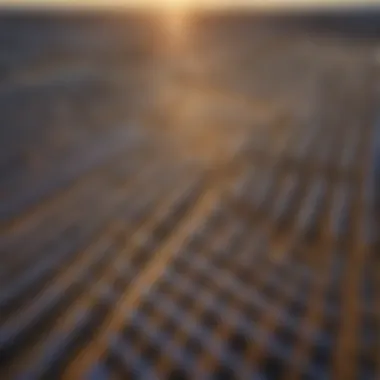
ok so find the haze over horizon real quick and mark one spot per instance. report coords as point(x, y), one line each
point(213, 4)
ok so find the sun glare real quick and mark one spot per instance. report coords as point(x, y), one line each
point(175, 20)
point(179, 4)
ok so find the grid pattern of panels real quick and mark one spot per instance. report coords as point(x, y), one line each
point(134, 262)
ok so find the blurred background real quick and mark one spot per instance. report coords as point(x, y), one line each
point(189, 189)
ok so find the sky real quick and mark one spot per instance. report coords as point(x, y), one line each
point(185, 3)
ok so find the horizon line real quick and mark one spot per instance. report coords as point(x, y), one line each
point(219, 5)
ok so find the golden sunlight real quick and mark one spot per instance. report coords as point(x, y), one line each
point(175, 22)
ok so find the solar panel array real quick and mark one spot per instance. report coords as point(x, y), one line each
point(132, 263)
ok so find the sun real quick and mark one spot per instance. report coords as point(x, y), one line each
point(177, 4)
point(175, 16)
